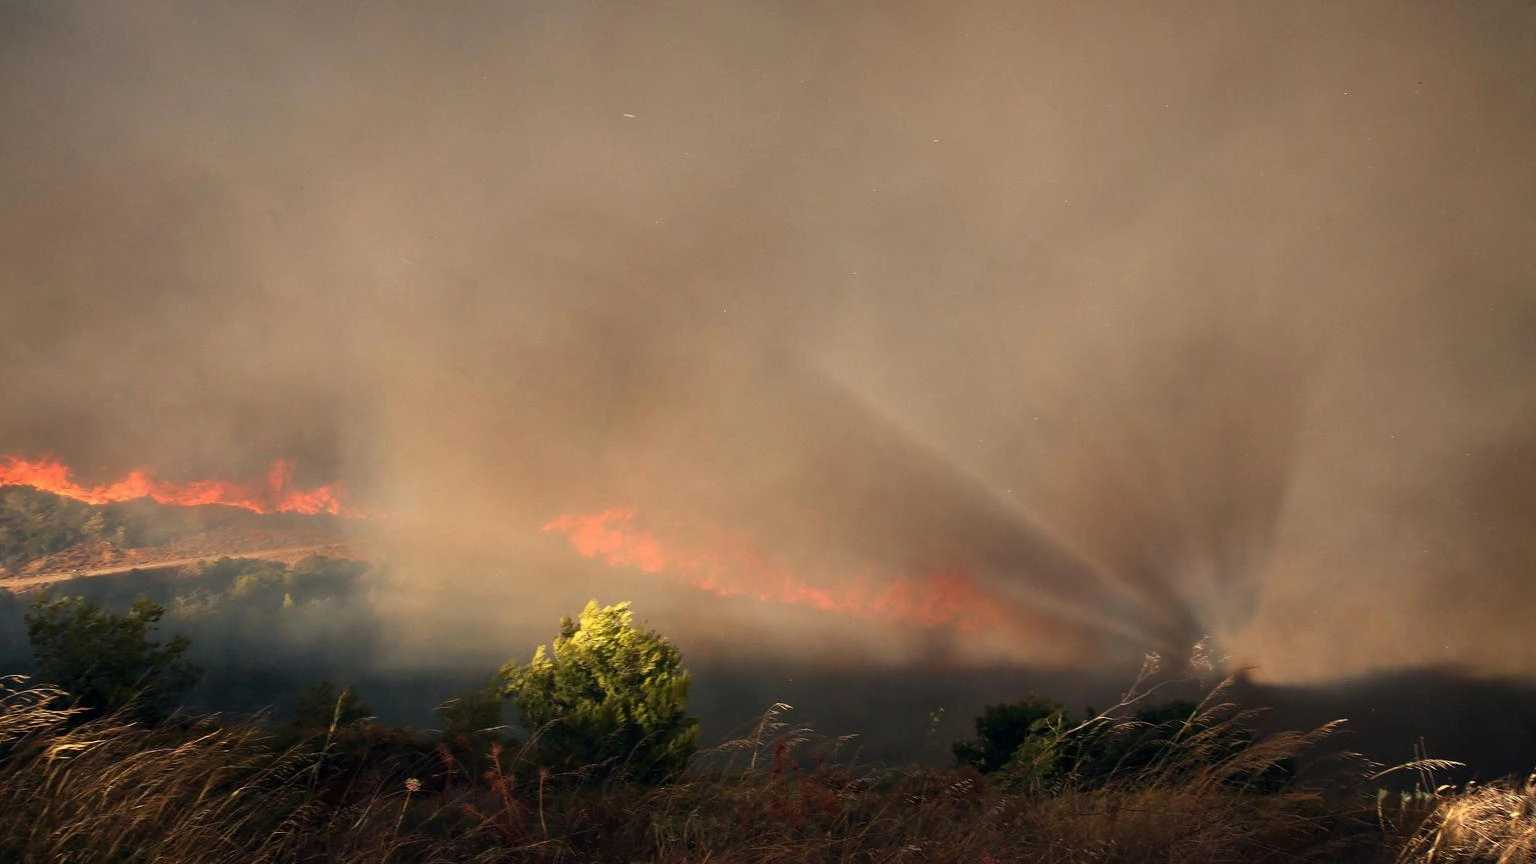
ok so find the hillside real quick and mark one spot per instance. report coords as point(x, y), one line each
point(46, 537)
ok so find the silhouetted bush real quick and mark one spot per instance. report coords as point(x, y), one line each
point(1002, 729)
point(109, 662)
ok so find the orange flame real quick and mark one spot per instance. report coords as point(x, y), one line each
point(50, 474)
point(731, 568)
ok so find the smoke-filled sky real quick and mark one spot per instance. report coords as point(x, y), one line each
point(1149, 320)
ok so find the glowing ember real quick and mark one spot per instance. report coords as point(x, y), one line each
point(277, 495)
point(729, 567)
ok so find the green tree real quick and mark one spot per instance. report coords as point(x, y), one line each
point(608, 698)
point(321, 707)
point(109, 662)
point(473, 714)
point(1002, 730)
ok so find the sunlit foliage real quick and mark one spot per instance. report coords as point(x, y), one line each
point(608, 697)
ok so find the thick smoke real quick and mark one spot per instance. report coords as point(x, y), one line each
point(1161, 320)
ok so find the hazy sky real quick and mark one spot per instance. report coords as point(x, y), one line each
point(1154, 320)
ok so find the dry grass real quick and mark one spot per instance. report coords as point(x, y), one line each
point(1494, 824)
point(108, 791)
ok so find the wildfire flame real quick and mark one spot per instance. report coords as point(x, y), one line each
point(728, 566)
point(276, 495)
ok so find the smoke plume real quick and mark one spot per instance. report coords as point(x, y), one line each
point(1153, 320)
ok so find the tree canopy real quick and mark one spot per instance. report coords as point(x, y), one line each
point(608, 697)
point(1002, 729)
point(110, 662)
point(320, 706)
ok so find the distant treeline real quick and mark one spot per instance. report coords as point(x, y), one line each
point(262, 629)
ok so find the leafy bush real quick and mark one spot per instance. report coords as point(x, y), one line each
point(608, 698)
point(1035, 745)
point(108, 662)
point(1002, 729)
point(322, 707)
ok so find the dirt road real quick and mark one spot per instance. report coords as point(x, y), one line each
point(35, 580)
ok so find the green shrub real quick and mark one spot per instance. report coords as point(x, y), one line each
point(108, 662)
point(320, 706)
point(1001, 730)
point(607, 698)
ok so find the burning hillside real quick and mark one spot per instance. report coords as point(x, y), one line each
point(729, 565)
point(54, 526)
point(275, 494)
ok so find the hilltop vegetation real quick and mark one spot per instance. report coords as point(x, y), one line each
point(45, 533)
point(36, 524)
point(260, 630)
point(334, 786)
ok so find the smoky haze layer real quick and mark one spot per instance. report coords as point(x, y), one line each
point(1157, 321)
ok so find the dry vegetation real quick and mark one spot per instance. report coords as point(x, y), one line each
point(107, 791)
point(1495, 824)
point(1115, 787)
point(46, 538)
